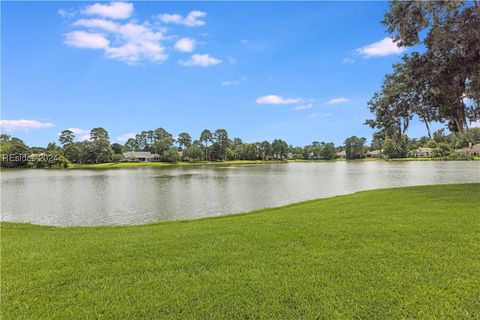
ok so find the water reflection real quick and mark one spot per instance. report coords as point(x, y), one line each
point(142, 195)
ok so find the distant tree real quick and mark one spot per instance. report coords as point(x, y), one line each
point(99, 148)
point(163, 141)
point(441, 150)
point(328, 151)
point(66, 137)
point(221, 142)
point(117, 148)
point(355, 147)
point(206, 137)
point(193, 152)
point(13, 152)
point(73, 152)
point(184, 140)
point(266, 150)
point(279, 149)
point(132, 145)
point(170, 155)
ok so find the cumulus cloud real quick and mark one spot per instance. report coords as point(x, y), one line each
point(303, 107)
point(200, 60)
point(380, 48)
point(185, 45)
point(338, 100)
point(134, 42)
point(80, 134)
point(275, 99)
point(102, 24)
point(113, 10)
point(125, 137)
point(233, 82)
point(193, 19)
point(82, 39)
point(23, 125)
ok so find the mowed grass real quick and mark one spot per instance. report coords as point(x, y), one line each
point(407, 253)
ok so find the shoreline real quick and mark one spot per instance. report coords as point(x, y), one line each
point(316, 254)
point(239, 214)
point(113, 165)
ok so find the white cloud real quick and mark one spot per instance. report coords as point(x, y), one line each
point(97, 24)
point(79, 131)
point(303, 107)
point(233, 82)
point(338, 100)
point(201, 60)
point(80, 134)
point(84, 137)
point(134, 42)
point(274, 99)
point(23, 125)
point(193, 19)
point(125, 137)
point(475, 124)
point(113, 10)
point(380, 48)
point(185, 45)
point(348, 61)
point(65, 14)
point(139, 42)
point(82, 39)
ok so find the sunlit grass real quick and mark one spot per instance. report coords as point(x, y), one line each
point(407, 253)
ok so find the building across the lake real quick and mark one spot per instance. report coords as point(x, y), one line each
point(341, 154)
point(141, 156)
point(374, 154)
point(473, 151)
point(422, 152)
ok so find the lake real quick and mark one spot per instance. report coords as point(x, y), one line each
point(148, 194)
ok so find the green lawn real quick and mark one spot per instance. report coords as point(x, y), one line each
point(408, 253)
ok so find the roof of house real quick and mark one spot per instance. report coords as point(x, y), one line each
point(140, 154)
point(424, 149)
point(474, 148)
point(374, 152)
point(341, 153)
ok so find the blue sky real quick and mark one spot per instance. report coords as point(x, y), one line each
point(262, 70)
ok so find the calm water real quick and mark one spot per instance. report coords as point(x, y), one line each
point(142, 195)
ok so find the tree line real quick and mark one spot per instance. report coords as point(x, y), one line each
point(211, 146)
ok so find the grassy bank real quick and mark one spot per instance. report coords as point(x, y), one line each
point(384, 254)
point(165, 164)
point(232, 162)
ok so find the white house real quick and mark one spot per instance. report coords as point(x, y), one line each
point(422, 152)
point(473, 151)
point(374, 154)
point(341, 154)
point(141, 156)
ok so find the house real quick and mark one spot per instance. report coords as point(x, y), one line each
point(374, 154)
point(141, 156)
point(473, 151)
point(341, 154)
point(422, 152)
